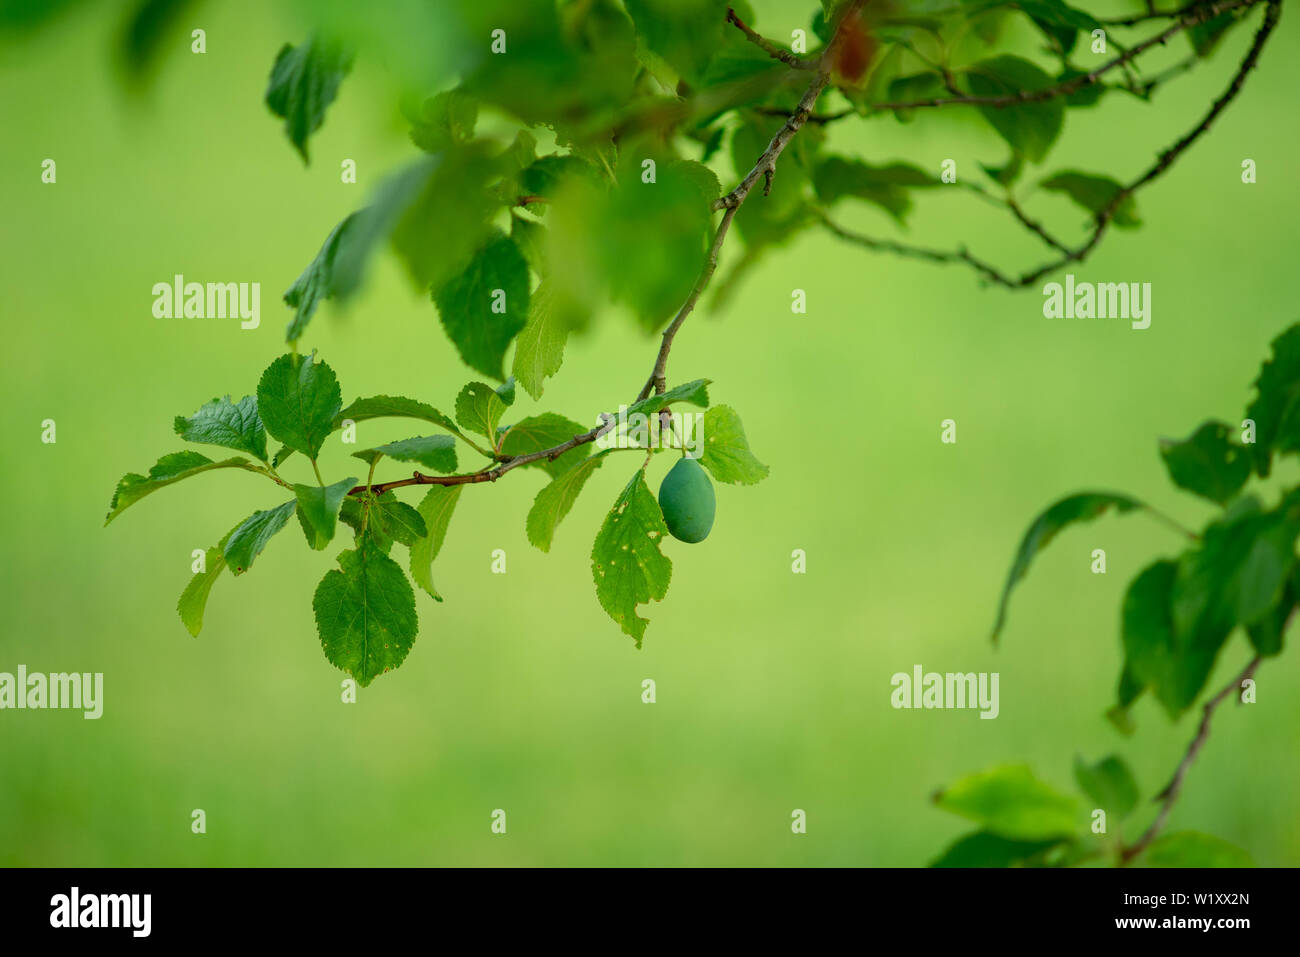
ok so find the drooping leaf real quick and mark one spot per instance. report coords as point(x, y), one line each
point(726, 450)
point(298, 398)
point(539, 432)
point(317, 282)
point(1207, 463)
point(1192, 849)
point(1095, 193)
point(1029, 128)
point(479, 407)
point(231, 425)
point(304, 81)
point(483, 307)
point(539, 347)
point(436, 509)
point(1010, 802)
point(436, 452)
point(556, 500)
point(169, 469)
point(247, 541)
point(1081, 507)
point(1175, 674)
point(628, 567)
point(1109, 783)
point(318, 509)
point(194, 599)
point(365, 613)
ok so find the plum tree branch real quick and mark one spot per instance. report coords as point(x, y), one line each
point(1103, 218)
point(1169, 795)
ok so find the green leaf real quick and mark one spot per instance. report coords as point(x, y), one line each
point(1268, 633)
point(1008, 173)
point(397, 520)
point(194, 599)
point(628, 567)
point(394, 407)
point(1207, 463)
point(685, 34)
point(984, 849)
point(726, 450)
point(1175, 674)
point(539, 432)
point(436, 452)
point(1275, 410)
point(1029, 128)
point(530, 237)
point(304, 81)
point(1205, 37)
point(661, 228)
point(1010, 802)
point(886, 186)
point(247, 541)
point(148, 34)
point(231, 425)
point(1081, 507)
point(317, 282)
point(539, 347)
point(318, 508)
point(283, 453)
point(365, 613)
point(454, 187)
point(1109, 783)
point(436, 510)
point(479, 407)
point(169, 469)
point(1095, 193)
point(445, 120)
point(555, 500)
point(1237, 574)
point(298, 399)
point(1192, 849)
point(694, 392)
point(483, 307)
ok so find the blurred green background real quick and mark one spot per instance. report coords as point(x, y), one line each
point(773, 688)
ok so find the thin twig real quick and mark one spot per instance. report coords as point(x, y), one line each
point(1103, 218)
point(768, 47)
point(1169, 795)
point(1185, 21)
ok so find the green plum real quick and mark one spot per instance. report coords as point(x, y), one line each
point(687, 501)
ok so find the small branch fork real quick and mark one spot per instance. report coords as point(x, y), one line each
point(1103, 219)
point(1169, 795)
